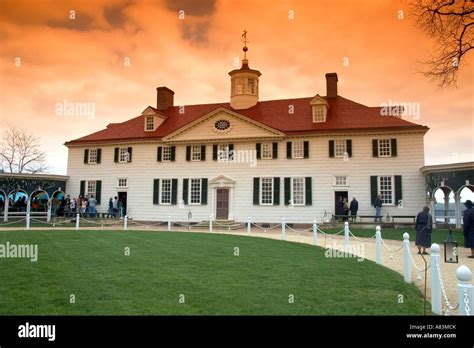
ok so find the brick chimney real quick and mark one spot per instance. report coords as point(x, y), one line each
point(331, 85)
point(164, 98)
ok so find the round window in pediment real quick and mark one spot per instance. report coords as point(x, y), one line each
point(222, 125)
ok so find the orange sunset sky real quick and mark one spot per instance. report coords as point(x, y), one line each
point(84, 60)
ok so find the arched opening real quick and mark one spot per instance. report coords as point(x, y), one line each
point(466, 192)
point(39, 201)
point(3, 200)
point(18, 201)
point(57, 203)
point(444, 208)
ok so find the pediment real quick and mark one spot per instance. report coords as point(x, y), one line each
point(223, 124)
point(222, 181)
point(318, 100)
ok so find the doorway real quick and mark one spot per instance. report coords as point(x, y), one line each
point(337, 195)
point(122, 197)
point(222, 204)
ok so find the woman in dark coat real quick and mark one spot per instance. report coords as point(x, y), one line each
point(423, 228)
point(340, 207)
point(468, 228)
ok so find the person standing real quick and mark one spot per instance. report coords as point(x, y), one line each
point(346, 209)
point(92, 206)
point(110, 210)
point(115, 206)
point(423, 226)
point(468, 227)
point(354, 207)
point(378, 208)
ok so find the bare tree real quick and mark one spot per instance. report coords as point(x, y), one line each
point(450, 23)
point(20, 152)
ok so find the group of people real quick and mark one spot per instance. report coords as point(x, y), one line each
point(424, 228)
point(344, 208)
point(67, 206)
point(115, 207)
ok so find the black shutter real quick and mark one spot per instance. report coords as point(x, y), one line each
point(214, 152)
point(349, 147)
point(275, 150)
point(82, 189)
point(398, 188)
point(256, 191)
point(99, 155)
point(129, 150)
point(98, 191)
point(159, 152)
point(185, 190)
point(306, 149)
point(116, 155)
point(375, 148)
point(204, 191)
point(287, 191)
point(231, 151)
point(258, 148)
point(276, 191)
point(156, 191)
point(174, 191)
point(308, 191)
point(373, 189)
point(173, 153)
point(288, 149)
point(203, 152)
point(188, 153)
point(86, 156)
point(331, 148)
point(394, 147)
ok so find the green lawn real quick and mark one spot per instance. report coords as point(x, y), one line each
point(162, 265)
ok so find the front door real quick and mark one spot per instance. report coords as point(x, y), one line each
point(122, 197)
point(222, 204)
point(339, 196)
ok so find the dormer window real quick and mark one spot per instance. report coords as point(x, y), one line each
point(319, 107)
point(149, 123)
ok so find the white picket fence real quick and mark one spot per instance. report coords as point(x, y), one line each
point(464, 288)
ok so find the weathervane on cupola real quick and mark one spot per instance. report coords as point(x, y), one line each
point(244, 82)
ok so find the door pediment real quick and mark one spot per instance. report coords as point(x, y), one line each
point(222, 181)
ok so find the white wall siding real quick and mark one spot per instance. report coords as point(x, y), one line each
point(144, 168)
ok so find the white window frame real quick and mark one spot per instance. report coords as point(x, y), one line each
point(318, 114)
point(297, 149)
point(240, 88)
point(251, 86)
point(223, 152)
point(122, 186)
point(338, 179)
point(266, 151)
point(303, 179)
point(162, 190)
point(196, 154)
point(272, 187)
point(190, 194)
point(124, 156)
point(340, 147)
point(91, 184)
point(392, 189)
point(148, 123)
point(166, 154)
point(384, 145)
point(92, 156)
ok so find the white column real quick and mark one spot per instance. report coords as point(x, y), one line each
point(346, 236)
point(210, 223)
point(28, 221)
point(378, 245)
point(283, 229)
point(315, 233)
point(406, 258)
point(457, 209)
point(7, 205)
point(249, 226)
point(125, 222)
point(77, 220)
point(48, 218)
point(433, 210)
point(465, 290)
point(435, 283)
point(169, 223)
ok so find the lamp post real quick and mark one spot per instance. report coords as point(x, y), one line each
point(450, 249)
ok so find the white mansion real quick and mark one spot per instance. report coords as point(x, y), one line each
point(245, 158)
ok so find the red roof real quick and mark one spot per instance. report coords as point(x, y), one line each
point(343, 115)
